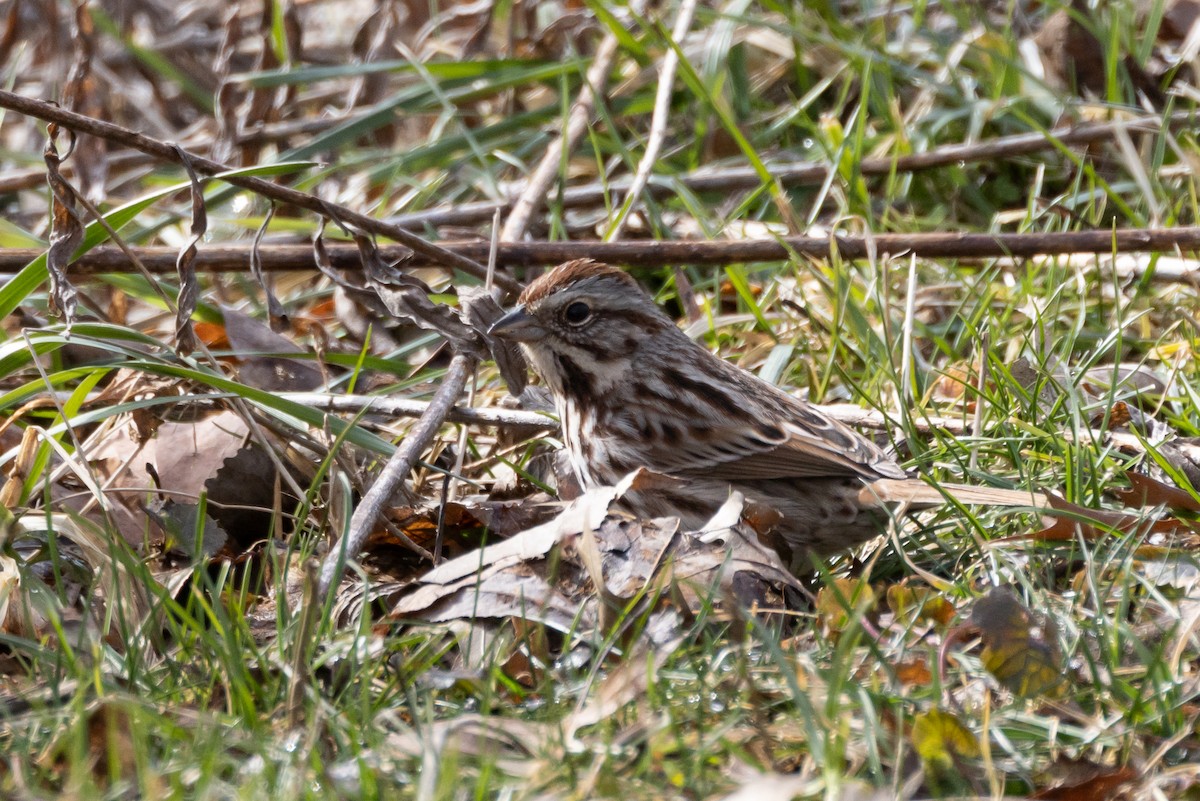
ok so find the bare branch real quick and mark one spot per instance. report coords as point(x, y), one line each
point(539, 182)
point(167, 152)
point(235, 258)
point(396, 470)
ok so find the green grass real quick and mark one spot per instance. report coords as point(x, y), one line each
point(129, 672)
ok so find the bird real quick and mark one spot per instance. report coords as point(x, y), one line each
point(633, 391)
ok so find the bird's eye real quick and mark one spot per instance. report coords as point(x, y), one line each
point(577, 313)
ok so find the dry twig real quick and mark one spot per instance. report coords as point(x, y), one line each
point(539, 181)
point(398, 467)
point(813, 173)
point(235, 258)
point(167, 152)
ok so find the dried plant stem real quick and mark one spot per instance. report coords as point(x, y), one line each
point(658, 121)
point(168, 152)
point(534, 194)
point(812, 173)
point(234, 258)
point(398, 467)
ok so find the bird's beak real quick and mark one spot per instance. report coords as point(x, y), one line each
point(519, 326)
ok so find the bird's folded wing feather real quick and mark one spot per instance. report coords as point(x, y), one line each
point(743, 453)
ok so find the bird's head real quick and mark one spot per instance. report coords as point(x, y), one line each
point(581, 324)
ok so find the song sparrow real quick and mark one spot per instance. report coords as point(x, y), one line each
point(632, 390)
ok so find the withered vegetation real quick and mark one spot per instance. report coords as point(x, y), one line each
point(279, 519)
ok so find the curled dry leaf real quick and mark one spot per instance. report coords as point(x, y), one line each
point(1144, 491)
point(408, 297)
point(481, 310)
point(66, 229)
point(1072, 520)
point(185, 262)
point(513, 577)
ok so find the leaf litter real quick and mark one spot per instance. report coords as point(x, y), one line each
point(582, 572)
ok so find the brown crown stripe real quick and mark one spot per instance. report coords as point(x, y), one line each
point(565, 275)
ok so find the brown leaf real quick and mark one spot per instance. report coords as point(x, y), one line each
point(1177, 21)
point(914, 672)
point(66, 229)
point(1071, 520)
point(246, 495)
point(185, 455)
point(1073, 57)
point(249, 337)
point(1145, 491)
point(1021, 651)
point(1085, 781)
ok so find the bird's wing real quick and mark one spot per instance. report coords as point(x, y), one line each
point(748, 445)
point(724, 423)
point(737, 453)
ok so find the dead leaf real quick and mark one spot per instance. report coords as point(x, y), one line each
point(914, 673)
point(66, 230)
point(1080, 780)
point(249, 339)
point(1072, 520)
point(1145, 491)
point(942, 741)
point(842, 601)
point(925, 603)
point(185, 456)
point(1019, 649)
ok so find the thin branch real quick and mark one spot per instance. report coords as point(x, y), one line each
point(658, 121)
point(168, 152)
point(235, 258)
point(535, 421)
point(539, 182)
point(813, 173)
point(529, 422)
point(415, 442)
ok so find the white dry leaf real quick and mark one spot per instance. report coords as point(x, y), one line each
point(725, 547)
point(585, 512)
point(617, 555)
point(496, 581)
point(512, 591)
